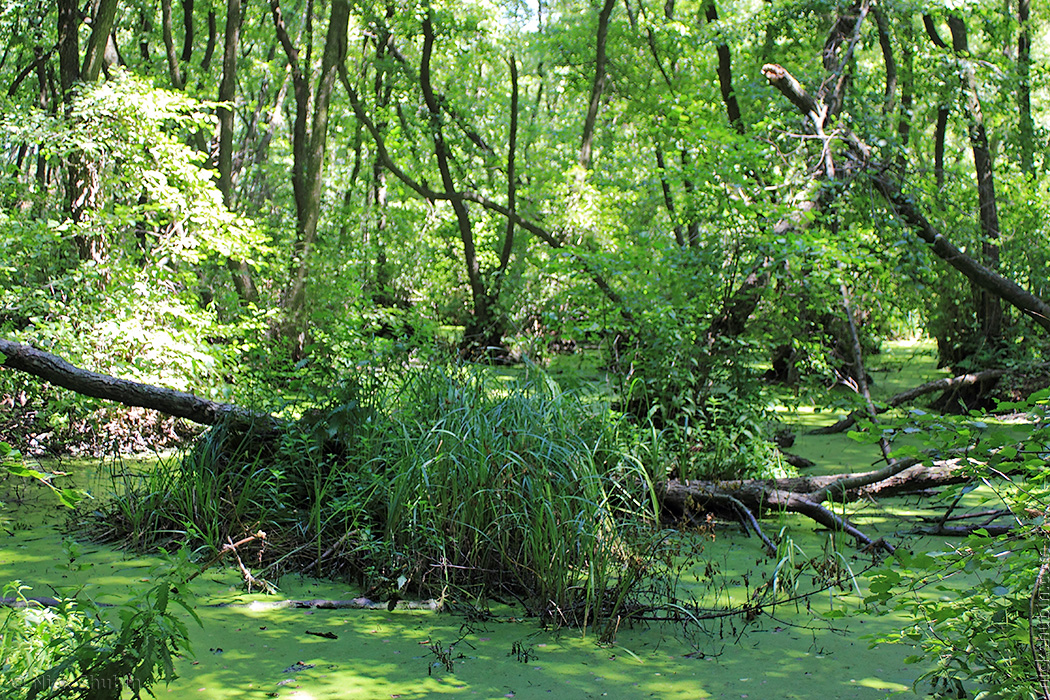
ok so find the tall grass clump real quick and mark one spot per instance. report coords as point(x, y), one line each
point(516, 487)
point(449, 482)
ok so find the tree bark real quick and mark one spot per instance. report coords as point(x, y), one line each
point(725, 74)
point(989, 309)
point(240, 273)
point(940, 131)
point(174, 73)
point(187, 25)
point(512, 180)
point(209, 49)
point(1024, 88)
point(309, 138)
point(597, 86)
point(985, 278)
point(484, 331)
point(101, 29)
point(180, 404)
point(68, 46)
point(888, 60)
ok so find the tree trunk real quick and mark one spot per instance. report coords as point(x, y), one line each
point(484, 332)
point(762, 496)
point(101, 29)
point(309, 138)
point(989, 306)
point(1024, 88)
point(240, 273)
point(948, 384)
point(174, 73)
point(57, 371)
point(187, 25)
point(904, 207)
point(597, 86)
point(725, 74)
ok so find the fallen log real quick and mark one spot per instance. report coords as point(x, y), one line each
point(759, 495)
point(180, 404)
point(953, 383)
point(745, 499)
point(805, 494)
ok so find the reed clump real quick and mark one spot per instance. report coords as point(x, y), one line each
point(447, 481)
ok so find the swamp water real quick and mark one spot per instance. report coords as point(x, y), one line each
point(246, 652)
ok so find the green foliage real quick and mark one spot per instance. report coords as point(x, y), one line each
point(78, 649)
point(707, 396)
point(440, 480)
point(8, 458)
point(968, 603)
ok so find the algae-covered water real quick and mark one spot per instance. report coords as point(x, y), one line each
point(795, 652)
point(243, 652)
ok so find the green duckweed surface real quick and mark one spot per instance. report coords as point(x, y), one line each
point(796, 652)
point(242, 652)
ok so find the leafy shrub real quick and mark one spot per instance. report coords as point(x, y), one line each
point(77, 649)
point(968, 604)
point(707, 396)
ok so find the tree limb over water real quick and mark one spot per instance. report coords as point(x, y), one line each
point(179, 404)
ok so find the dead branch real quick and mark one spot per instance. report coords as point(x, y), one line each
point(180, 404)
point(956, 382)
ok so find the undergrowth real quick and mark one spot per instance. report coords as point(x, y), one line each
point(441, 482)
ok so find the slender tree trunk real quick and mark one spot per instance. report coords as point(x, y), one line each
point(940, 131)
point(68, 46)
point(174, 73)
point(145, 29)
point(209, 49)
point(1024, 88)
point(240, 273)
point(309, 138)
point(665, 186)
point(692, 229)
point(82, 179)
point(889, 62)
point(597, 86)
point(101, 29)
point(382, 89)
point(907, 83)
point(725, 74)
point(512, 181)
point(187, 25)
point(482, 333)
point(990, 310)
